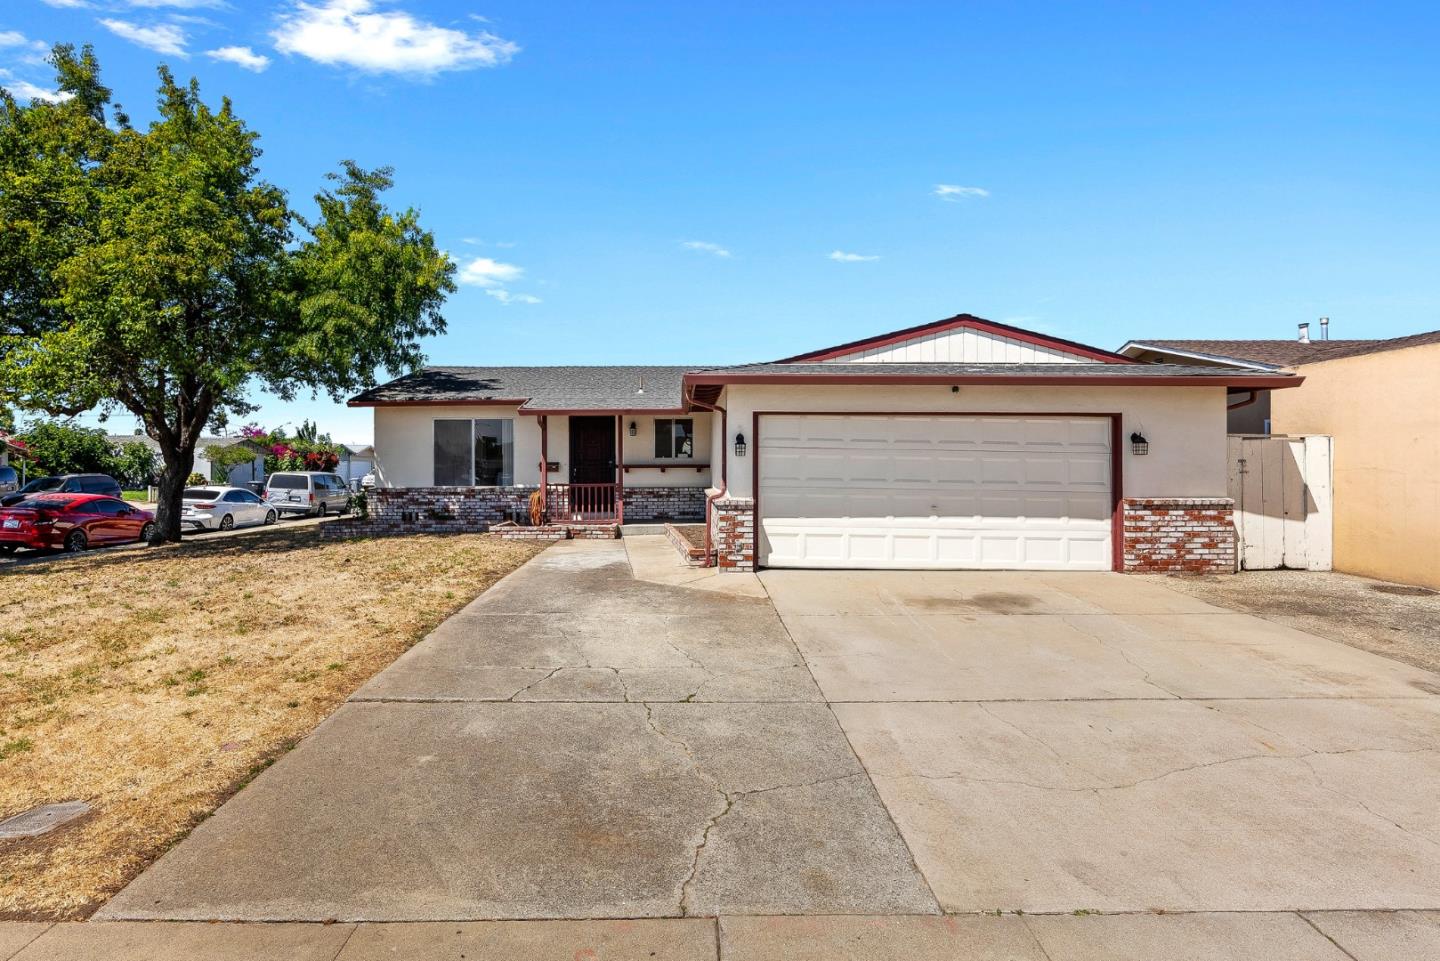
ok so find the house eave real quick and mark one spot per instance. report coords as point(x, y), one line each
point(1194, 355)
point(1245, 382)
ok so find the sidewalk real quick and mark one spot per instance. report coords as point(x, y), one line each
point(1280, 936)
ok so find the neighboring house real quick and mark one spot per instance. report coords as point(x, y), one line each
point(356, 460)
point(1249, 410)
point(956, 444)
point(248, 472)
point(12, 450)
point(1380, 402)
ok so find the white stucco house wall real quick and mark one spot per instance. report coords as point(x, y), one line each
point(962, 443)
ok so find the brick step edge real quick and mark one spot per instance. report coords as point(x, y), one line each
point(692, 555)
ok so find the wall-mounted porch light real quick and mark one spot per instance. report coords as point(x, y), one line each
point(633, 430)
point(739, 445)
point(1138, 444)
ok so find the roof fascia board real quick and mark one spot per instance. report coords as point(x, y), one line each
point(441, 402)
point(1246, 381)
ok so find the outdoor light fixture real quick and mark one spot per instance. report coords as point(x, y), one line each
point(632, 429)
point(1138, 444)
point(739, 445)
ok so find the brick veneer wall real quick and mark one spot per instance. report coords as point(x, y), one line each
point(1194, 535)
point(447, 510)
point(733, 519)
point(664, 504)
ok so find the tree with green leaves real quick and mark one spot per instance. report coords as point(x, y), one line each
point(63, 448)
point(133, 464)
point(154, 270)
point(224, 458)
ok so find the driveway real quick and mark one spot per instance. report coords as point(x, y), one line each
point(603, 736)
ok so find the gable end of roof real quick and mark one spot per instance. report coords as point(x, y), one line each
point(957, 322)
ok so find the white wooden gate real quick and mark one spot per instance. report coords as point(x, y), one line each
point(1283, 501)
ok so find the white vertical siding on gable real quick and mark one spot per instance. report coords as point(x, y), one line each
point(963, 345)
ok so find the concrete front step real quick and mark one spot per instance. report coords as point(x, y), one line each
point(638, 530)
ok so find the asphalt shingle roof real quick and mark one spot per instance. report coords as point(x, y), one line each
point(983, 370)
point(608, 389)
point(538, 388)
point(1288, 353)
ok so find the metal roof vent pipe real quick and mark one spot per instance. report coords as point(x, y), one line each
point(1324, 328)
point(1304, 333)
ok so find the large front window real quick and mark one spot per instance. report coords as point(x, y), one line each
point(474, 453)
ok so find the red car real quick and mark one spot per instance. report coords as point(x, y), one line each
point(72, 521)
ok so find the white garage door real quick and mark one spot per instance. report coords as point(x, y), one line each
point(909, 492)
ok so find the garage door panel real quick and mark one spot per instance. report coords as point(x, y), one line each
point(916, 491)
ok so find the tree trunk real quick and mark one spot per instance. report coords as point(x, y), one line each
point(179, 462)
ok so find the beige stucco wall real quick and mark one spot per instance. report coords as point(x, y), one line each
point(1185, 425)
point(1384, 412)
point(405, 447)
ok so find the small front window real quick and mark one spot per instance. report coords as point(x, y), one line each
point(674, 437)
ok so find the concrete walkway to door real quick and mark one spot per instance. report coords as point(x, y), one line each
point(842, 762)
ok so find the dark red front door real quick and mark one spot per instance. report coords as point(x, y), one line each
point(592, 450)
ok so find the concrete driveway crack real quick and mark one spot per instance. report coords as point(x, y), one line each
point(536, 683)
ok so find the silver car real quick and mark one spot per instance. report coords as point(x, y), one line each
point(223, 509)
point(307, 492)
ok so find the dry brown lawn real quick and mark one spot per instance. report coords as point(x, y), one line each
point(154, 684)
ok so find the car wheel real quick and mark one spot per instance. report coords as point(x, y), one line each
point(76, 541)
point(147, 532)
point(8, 549)
point(322, 510)
point(271, 517)
point(227, 523)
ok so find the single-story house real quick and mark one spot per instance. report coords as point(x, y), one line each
point(12, 450)
point(239, 475)
point(356, 460)
point(962, 443)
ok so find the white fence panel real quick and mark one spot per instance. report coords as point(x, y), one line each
point(1283, 501)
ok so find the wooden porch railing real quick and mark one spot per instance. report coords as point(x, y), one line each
point(583, 503)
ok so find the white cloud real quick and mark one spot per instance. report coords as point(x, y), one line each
point(507, 298)
point(845, 257)
point(25, 90)
point(487, 272)
point(493, 275)
point(241, 57)
point(705, 247)
point(162, 38)
point(15, 43)
point(353, 33)
point(955, 193)
point(66, 4)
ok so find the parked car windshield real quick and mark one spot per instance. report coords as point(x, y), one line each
point(290, 482)
point(43, 484)
point(199, 494)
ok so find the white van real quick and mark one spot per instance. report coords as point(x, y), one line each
point(307, 492)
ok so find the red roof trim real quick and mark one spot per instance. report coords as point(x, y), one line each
point(441, 402)
point(1278, 382)
point(952, 323)
point(604, 412)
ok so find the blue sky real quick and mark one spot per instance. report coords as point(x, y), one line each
point(688, 183)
